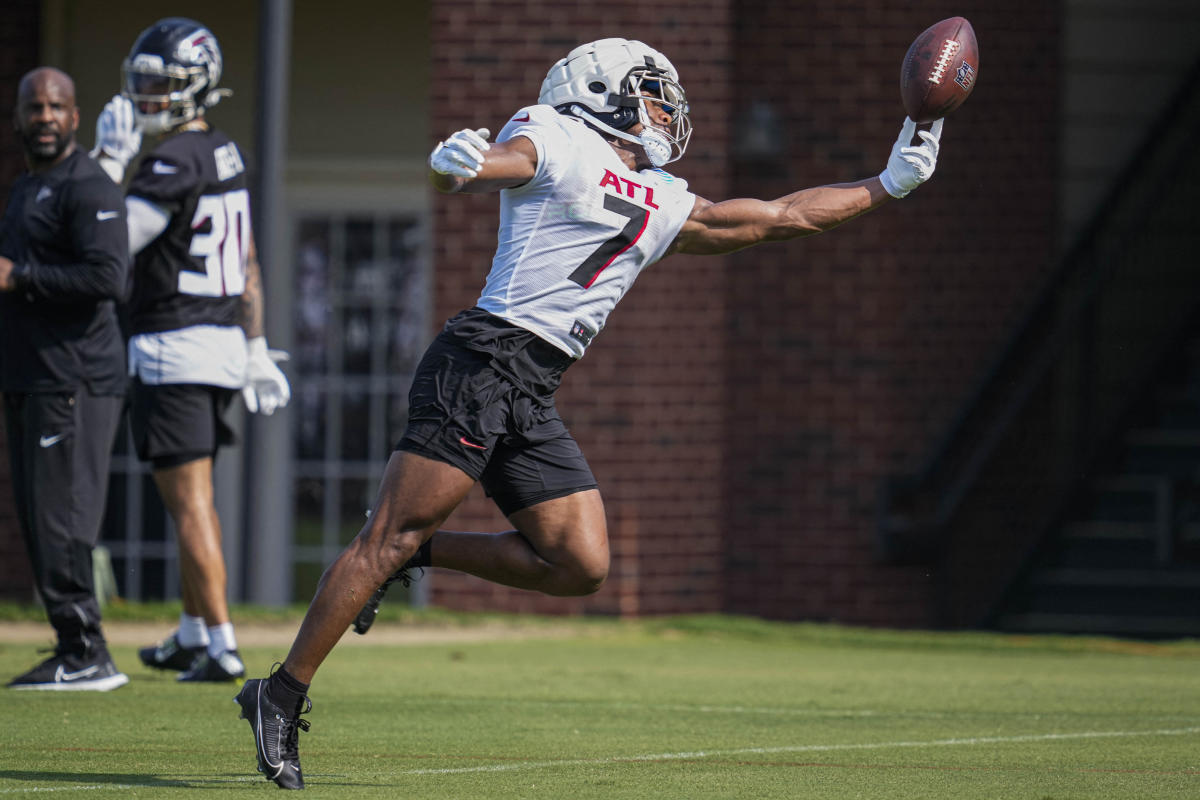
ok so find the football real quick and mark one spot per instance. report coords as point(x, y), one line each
point(939, 70)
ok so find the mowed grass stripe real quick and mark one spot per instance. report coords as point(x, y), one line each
point(808, 748)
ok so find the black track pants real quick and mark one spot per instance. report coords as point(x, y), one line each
point(60, 446)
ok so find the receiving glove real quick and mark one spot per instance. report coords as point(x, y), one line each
point(909, 166)
point(117, 134)
point(266, 387)
point(461, 155)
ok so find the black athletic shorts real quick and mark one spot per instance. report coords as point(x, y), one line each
point(174, 423)
point(482, 400)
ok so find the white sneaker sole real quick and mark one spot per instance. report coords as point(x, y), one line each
point(100, 685)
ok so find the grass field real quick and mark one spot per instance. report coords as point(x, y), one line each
point(707, 707)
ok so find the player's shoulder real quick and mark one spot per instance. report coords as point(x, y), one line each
point(88, 180)
point(540, 118)
point(665, 179)
point(188, 159)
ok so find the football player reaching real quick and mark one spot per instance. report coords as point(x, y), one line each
point(585, 205)
point(196, 313)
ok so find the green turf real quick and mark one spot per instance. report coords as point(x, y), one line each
point(702, 707)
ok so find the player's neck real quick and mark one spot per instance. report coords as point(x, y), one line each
point(197, 124)
point(625, 152)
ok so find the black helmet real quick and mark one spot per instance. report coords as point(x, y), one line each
point(174, 66)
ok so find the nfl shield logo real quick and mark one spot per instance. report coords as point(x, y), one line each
point(965, 77)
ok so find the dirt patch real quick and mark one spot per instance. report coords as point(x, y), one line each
point(281, 634)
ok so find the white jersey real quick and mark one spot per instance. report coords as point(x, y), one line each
point(573, 239)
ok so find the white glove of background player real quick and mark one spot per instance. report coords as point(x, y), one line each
point(117, 134)
point(461, 155)
point(909, 166)
point(266, 386)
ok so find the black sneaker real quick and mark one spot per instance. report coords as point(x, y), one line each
point(170, 654)
point(67, 673)
point(366, 617)
point(276, 734)
point(226, 667)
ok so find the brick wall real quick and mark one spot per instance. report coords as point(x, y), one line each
point(18, 55)
point(856, 347)
point(741, 411)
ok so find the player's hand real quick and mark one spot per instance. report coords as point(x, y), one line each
point(911, 165)
point(117, 134)
point(266, 387)
point(461, 155)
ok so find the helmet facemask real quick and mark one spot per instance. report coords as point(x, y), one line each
point(147, 80)
point(650, 87)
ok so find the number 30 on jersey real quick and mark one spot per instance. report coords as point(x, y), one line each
point(224, 247)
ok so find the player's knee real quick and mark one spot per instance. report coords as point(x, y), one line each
point(389, 546)
point(586, 576)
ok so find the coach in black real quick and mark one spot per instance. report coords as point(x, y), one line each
point(64, 262)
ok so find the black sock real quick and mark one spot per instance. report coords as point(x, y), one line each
point(285, 691)
point(423, 557)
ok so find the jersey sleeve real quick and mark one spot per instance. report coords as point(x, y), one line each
point(164, 178)
point(674, 199)
point(541, 126)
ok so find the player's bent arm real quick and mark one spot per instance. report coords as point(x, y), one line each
point(505, 165)
point(715, 228)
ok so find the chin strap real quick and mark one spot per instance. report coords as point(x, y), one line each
point(657, 148)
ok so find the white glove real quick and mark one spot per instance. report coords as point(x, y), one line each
point(117, 134)
point(461, 154)
point(909, 166)
point(266, 387)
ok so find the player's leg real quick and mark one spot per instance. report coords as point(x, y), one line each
point(559, 547)
point(178, 428)
point(415, 496)
point(187, 492)
point(63, 481)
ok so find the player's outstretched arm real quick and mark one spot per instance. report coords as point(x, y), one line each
point(715, 228)
point(467, 162)
point(731, 225)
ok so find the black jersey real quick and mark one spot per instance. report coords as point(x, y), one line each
point(195, 271)
point(66, 234)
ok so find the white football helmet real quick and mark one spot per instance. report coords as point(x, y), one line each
point(607, 84)
point(176, 64)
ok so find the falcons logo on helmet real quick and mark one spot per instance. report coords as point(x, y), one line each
point(200, 48)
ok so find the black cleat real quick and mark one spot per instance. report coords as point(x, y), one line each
point(170, 654)
point(67, 673)
point(366, 617)
point(276, 734)
point(226, 667)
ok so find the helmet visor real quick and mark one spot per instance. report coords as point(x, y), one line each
point(149, 85)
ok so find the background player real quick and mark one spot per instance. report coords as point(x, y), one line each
point(196, 313)
point(64, 261)
point(481, 407)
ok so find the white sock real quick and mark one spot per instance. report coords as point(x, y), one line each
point(192, 631)
point(220, 639)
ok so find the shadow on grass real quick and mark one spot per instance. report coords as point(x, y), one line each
point(80, 780)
